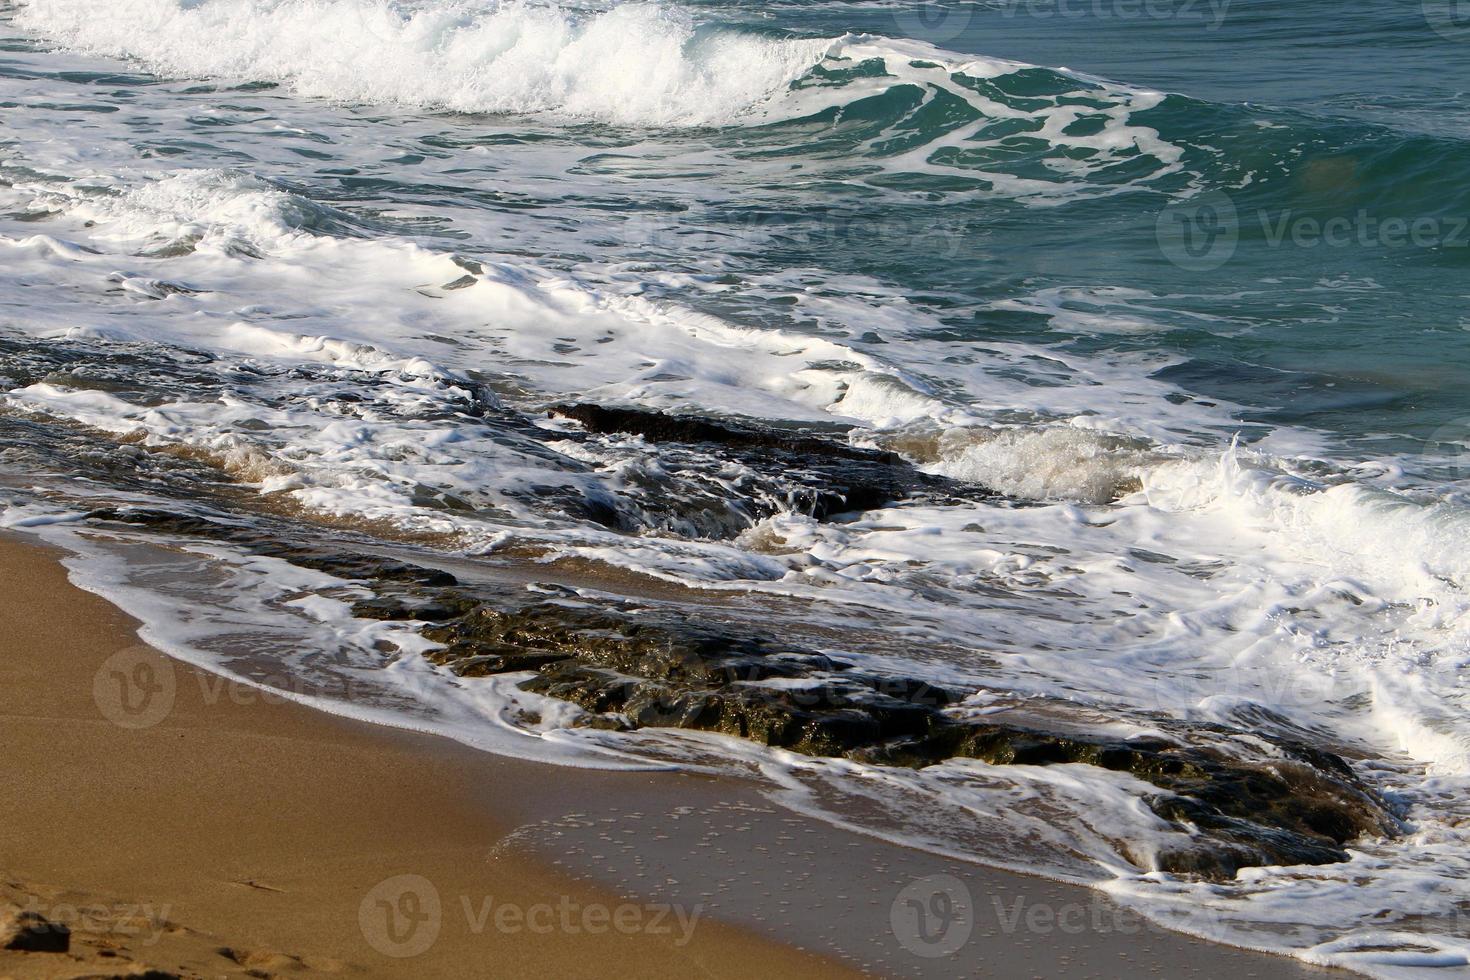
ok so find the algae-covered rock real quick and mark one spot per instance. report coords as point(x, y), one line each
point(634, 668)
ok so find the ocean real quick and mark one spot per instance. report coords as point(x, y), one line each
point(1101, 363)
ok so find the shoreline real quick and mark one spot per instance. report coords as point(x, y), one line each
point(243, 832)
point(282, 835)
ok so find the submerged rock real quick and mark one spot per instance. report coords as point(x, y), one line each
point(256, 540)
point(633, 668)
point(789, 470)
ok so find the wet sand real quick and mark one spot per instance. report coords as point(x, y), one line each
point(200, 828)
point(239, 833)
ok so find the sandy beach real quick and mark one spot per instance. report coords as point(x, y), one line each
point(245, 836)
point(236, 834)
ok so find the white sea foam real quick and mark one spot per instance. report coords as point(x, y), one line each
point(262, 284)
point(636, 63)
point(641, 64)
point(1050, 463)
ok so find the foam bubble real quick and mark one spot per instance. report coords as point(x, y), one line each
point(1052, 463)
point(228, 211)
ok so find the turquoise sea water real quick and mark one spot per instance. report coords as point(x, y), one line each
point(1335, 130)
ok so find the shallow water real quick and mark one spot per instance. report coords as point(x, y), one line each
point(1191, 302)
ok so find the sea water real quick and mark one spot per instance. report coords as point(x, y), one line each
point(1183, 280)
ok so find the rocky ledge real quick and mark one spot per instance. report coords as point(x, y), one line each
point(633, 667)
point(781, 469)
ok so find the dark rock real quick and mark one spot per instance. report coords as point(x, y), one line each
point(820, 476)
point(25, 931)
point(662, 427)
point(692, 654)
point(405, 608)
point(634, 668)
point(1295, 810)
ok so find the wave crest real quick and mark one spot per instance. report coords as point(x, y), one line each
point(633, 64)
